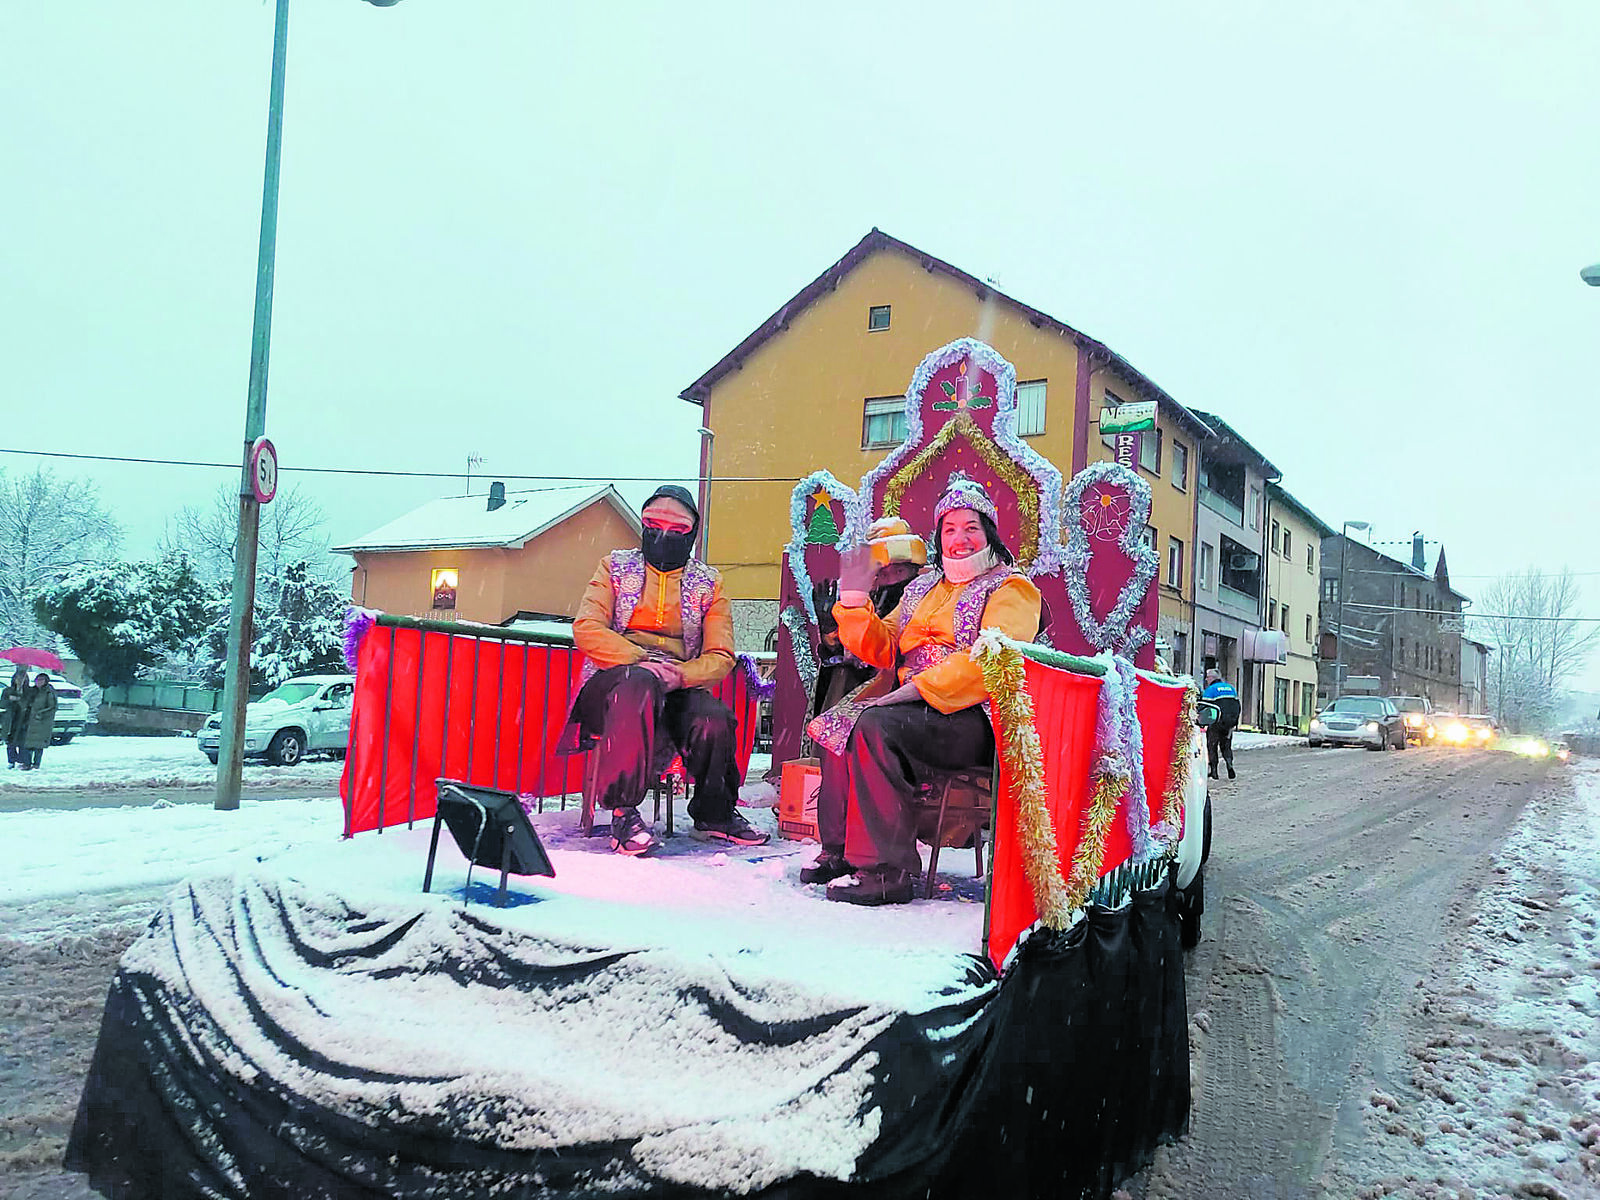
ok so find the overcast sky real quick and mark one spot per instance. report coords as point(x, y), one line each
point(520, 229)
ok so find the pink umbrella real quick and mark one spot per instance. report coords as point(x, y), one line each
point(29, 656)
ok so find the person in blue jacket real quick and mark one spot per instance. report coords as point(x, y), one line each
point(1219, 734)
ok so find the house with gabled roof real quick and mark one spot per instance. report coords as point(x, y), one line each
point(821, 382)
point(493, 559)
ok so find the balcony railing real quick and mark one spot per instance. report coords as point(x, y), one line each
point(1219, 503)
point(1239, 603)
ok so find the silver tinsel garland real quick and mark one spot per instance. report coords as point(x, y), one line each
point(855, 525)
point(805, 661)
point(1113, 634)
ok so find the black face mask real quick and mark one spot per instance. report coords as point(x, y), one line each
point(666, 549)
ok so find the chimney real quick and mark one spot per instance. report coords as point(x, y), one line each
point(497, 497)
point(1419, 557)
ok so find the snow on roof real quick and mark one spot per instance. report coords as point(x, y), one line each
point(464, 522)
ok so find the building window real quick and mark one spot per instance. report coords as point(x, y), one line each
point(1150, 451)
point(1255, 508)
point(1180, 466)
point(1148, 538)
point(1030, 408)
point(1180, 653)
point(445, 581)
point(878, 317)
point(1311, 560)
point(1175, 563)
point(1310, 698)
point(1206, 553)
point(1308, 629)
point(1286, 541)
point(1272, 614)
point(1330, 589)
point(883, 421)
point(1402, 650)
point(1283, 620)
point(1275, 537)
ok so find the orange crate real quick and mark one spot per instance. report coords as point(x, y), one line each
point(797, 799)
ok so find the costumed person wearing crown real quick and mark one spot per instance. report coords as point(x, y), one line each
point(656, 631)
point(897, 556)
point(933, 722)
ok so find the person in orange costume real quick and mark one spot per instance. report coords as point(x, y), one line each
point(934, 721)
point(656, 633)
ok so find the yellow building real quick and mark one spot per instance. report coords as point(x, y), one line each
point(821, 384)
point(1292, 578)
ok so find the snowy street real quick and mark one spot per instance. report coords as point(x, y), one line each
point(1394, 993)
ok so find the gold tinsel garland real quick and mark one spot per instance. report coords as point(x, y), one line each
point(1012, 707)
point(1182, 764)
point(1013, 476)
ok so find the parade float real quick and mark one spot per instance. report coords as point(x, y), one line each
point(698, 1023)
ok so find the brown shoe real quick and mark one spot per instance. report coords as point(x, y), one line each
point(873, 886)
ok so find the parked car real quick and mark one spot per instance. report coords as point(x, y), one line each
point(1194, 847)
point(72, 711)
point(1370, 721)
point(300, 716)
point(1469, 730)
point(1417, 711)
point(1561, 751)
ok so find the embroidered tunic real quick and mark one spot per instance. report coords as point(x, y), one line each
point(630, 612)
point(933, 627)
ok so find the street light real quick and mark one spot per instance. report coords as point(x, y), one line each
point(1338, 640)
point(236, 680)
point(706, 438)
point(1591, 275)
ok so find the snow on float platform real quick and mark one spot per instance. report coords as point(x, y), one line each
point(696, 1019)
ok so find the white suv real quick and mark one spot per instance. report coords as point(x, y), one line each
point(300, 716)
point(72, 711)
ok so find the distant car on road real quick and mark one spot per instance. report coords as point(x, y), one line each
point(300, 716)
point(1417, 712)
point(1468, 730)
point(1561, 751)
point(1370, 721)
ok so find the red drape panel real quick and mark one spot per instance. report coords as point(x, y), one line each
point(489, 712)
point(1064, 706)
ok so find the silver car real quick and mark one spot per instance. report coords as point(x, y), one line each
point(1369, 721)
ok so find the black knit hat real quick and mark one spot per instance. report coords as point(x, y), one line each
point(671, 491)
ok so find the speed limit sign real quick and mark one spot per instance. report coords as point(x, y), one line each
point(263, 470)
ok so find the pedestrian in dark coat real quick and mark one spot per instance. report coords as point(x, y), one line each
point(40, 721)
point(13, 715)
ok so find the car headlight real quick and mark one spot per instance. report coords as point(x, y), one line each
point(1414, 722)
point(1316, 726)
point(1372, 727)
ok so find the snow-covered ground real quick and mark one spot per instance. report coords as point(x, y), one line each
point(122, 762)
point(1506, 1059)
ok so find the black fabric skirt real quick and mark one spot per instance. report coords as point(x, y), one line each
point(1057, 1081)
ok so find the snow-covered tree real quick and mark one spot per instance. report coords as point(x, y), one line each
point(297, 631)
point(1539, 643)
point(48, 526)
point(120, 618)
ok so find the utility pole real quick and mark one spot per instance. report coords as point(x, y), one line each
point(241, 632)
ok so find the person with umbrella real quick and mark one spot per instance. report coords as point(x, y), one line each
point(14, 715)
point(39, 723)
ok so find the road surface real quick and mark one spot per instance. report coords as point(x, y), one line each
point(1339, 885)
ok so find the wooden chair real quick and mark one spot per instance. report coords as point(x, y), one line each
point(953, 801)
